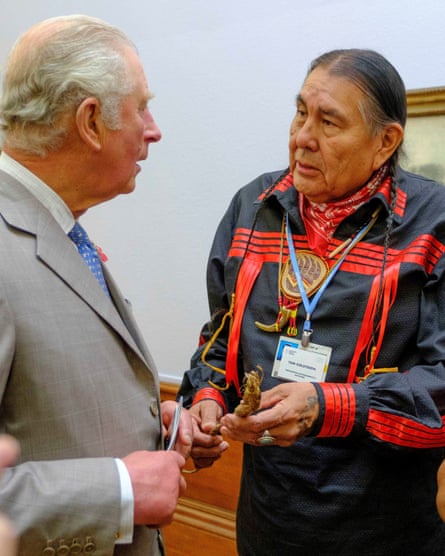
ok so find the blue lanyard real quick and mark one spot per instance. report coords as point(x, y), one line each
point(311, 305)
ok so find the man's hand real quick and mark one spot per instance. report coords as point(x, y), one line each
point(184, 440)
point(9, 452)
point(157, 484)
point(287, 412)
point(208, 445)
point(440, 498)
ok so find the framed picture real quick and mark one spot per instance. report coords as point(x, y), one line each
point(424, 142)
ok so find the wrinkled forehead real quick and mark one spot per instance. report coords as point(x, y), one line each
point(323, 87)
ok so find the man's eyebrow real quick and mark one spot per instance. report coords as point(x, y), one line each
point(299, 99)
point(332, 112)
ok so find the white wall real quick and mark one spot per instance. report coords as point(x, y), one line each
point(225, 74)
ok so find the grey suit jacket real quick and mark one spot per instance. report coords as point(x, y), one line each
point(78, 388)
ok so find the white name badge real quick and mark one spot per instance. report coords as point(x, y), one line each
point(301, 364)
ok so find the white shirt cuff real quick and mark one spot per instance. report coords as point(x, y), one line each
point(125, 533)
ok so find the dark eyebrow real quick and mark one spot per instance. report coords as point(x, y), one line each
point(330, 112)
point(299, 98)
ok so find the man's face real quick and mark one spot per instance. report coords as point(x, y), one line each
point(331, 151)
point(123, 148)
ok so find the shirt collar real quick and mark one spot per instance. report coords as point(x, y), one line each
point(42, 192)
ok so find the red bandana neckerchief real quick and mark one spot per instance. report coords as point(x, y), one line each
point(322, 219)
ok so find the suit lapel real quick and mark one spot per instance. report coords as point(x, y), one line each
point(123, 306)
point(57, 251)
point(25, 213)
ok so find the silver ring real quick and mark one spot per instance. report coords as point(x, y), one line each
point(266, 438)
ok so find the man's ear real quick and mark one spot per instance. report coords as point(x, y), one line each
point(390, 138)
point(89, 123)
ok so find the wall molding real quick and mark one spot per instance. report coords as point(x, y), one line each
point(206, 517)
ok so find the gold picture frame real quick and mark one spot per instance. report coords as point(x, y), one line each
point(424, 143)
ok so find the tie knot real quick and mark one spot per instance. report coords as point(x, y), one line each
point(78, 235)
